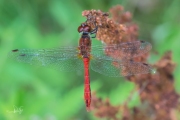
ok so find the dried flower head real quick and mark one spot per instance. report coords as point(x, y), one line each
point(113, 30)
point(104, 109)
point(159, 92)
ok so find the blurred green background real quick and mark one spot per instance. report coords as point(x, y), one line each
point(47, 94)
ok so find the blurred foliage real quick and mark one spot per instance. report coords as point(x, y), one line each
point(47, 94)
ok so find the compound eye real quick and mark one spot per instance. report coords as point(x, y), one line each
point(84, 28)
point(87, 28)
point(80, 28)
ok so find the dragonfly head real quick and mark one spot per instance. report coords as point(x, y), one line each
point(84, 28)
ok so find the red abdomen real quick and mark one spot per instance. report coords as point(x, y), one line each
point(87, 89)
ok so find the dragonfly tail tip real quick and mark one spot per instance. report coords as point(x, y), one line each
point(88, 109)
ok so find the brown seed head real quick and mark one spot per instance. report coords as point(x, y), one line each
point(113, 30)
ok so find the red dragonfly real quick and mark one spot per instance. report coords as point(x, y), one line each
point(111, 60)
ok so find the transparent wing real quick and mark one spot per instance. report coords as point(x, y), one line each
point(121, 51)
point(63, 59)
point(117, 68)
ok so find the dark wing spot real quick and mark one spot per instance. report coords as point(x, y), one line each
point(15, 50)
point(105, 14)
point(22, 54)
point(142, 41)
point(145, 64)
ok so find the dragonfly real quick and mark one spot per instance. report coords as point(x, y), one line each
point(113, 60)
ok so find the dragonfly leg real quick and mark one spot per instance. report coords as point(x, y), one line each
point(94, 31)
